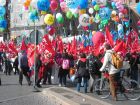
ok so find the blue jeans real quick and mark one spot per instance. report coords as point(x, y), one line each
point(85, 81)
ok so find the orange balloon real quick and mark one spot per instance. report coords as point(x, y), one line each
point(26, 4)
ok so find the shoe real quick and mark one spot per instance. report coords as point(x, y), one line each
point(39, 86)
point(114, 98)
point(29, 83)
point(20, 83)
point(60, 85)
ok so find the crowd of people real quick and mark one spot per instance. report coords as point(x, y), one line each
point(86, 68)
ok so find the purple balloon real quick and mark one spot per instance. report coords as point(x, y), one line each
point(61, 1)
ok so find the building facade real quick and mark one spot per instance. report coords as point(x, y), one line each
point(20, 24)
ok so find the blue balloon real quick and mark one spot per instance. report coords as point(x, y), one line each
point(33, 15)
point(105, 13)
point(113, 4)
point(115, 35)
point(138, 8)
point(3, 23)
point(83, 4)
point(72, 3)
point(2, 11)
point(93, 3)
point(43, 5)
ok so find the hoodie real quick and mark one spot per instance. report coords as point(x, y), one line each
point(108, 63)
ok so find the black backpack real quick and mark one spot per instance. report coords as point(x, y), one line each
point(94, 64)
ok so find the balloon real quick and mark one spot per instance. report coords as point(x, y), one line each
point(26, 4)
point(121, 15)
point(93, 3)
point(33, 15)
point(51, 30)
point(2, 11)
point(113, 5)
point(58, 15)
point(1, 29)
point(2, 2)
point(54, 5)
point(91, 19)
point(3, 24)
point(114, 12)
point(138, 23)
point(98, 38)
point(69, 15)
point(83, 4)
point(91, 10)
point(60, 20)
point(63, 6)
point(96, 7)
point(49, 19)
point(43, 5)
point(105, 13)
point(75, 15)
point(43, 12)
point(72, 3)
point(93, 32)
point(84, 19)
point(82, 11)
point(138, 7)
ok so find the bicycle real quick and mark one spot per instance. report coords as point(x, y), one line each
point(129, 88)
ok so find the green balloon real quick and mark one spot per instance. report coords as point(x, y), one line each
point(69, 14)
point(2, 29)
point(60, 20)
point(96, 7)
point(76, 15)
point(1, 18)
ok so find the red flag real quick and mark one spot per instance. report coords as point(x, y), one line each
point(109, 37)
point(23, 45)
point(74, 46)
point(60, 44)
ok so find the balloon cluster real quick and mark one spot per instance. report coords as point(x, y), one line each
point(3, 22)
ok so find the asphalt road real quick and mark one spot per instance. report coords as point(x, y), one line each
point(11, 91)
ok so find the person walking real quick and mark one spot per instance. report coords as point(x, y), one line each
point(23, 68)
point(82, 72)
point(114, 74)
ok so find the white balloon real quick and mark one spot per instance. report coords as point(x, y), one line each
point(114, 12)
point(91, 11)
point(121, 15)
point(120, 26)
point(2, 2)
point(58, 15)
point(84, 19)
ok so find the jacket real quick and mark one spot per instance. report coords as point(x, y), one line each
point(81, 69)
point(108, 63)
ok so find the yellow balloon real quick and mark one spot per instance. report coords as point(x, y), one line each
point(43, 12)
point(82, 11)
point(49, 19)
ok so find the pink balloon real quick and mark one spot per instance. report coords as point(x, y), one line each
point(63, 6)
point(61, 1)
point(54, 5)
point(98, 39)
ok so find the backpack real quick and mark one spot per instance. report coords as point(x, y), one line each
point(66, 64)
point(94, 64)
point(117, 61)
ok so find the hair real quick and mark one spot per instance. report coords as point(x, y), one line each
point(107, 46)
point(83, 55)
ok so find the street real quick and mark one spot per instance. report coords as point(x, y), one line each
point(11, 93)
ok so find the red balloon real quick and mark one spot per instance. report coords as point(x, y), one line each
point(85, 28)
point(98, 38)
point(54, 5)
point(51, 31)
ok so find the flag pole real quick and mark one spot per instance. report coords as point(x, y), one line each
point(34, 84)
